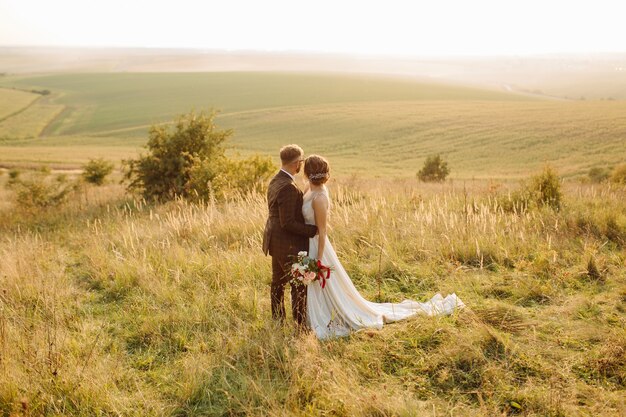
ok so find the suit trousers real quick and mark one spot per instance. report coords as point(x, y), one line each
point(280, 278)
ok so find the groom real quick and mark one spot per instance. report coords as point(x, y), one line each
point(286, 233)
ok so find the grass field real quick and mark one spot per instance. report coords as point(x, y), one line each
point(479, 139)
point(608, 85)
point(103, 102)
point(113, 306)
point(365, 124)
point(110, 306)
point(31, 122)
point(13, 101)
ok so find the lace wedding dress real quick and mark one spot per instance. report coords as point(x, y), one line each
point(338, 308)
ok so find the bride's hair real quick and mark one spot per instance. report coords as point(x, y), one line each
point(316, 169)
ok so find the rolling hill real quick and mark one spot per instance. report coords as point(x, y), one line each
point(371, 125)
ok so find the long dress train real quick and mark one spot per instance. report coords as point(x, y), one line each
point(338, 308)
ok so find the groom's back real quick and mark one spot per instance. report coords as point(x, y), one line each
point(277, 240)
point(275, 186)
point(272, 227)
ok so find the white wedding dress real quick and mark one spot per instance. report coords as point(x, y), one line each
point(338, 308)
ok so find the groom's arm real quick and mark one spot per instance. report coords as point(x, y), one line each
point(287, 202)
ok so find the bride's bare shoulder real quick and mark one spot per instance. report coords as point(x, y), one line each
point(320, 200)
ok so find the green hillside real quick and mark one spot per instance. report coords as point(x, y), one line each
point(479, 138)
point(370, 125)
point(12, 101)
point(102, 102)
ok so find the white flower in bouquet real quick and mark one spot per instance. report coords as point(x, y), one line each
point(305, 270)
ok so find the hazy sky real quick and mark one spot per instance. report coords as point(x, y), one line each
point(432, 27)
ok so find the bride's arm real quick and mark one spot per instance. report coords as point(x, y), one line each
point(320, 208)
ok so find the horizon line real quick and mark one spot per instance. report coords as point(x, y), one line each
point(316, 52)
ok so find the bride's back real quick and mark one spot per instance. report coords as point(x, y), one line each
point(307, 204)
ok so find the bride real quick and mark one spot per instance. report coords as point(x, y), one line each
point(338, 308)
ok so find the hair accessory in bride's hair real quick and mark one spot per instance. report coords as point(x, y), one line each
point(318, 176)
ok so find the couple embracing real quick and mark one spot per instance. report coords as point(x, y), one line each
point(297, 222)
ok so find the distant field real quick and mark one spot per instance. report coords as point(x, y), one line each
point(99, 103)
point(12, 101)
point(478, 139)
point(370, 125)
point(608, 85)
point(30, 122)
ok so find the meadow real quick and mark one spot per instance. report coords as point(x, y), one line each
point(113, 306)
point(372, 125)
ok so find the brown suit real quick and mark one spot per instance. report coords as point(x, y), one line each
point(286, 234)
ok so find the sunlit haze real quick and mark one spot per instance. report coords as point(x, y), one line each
point(413, 28)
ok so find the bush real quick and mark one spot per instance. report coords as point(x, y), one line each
point(619, 174)
point(519, 201)
point(41, 191)
point(435, 169)
point(546, 188)
point(598, 174)
point(543, 189)
point(232, 177)
point(251, 174)
point(194, 146)
point(96, 170)
point(190, 162)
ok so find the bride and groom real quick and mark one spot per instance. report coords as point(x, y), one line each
point(298, 222)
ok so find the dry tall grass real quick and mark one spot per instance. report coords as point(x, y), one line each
point(111, 306)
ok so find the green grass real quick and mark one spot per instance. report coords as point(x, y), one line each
point(103, 102)
point(114, 307)
point(13, 101)
point(478, 139)
point(365, 125)
point(30, 122)
point(111, 306)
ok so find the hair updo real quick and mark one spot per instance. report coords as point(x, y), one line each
point(317, 169)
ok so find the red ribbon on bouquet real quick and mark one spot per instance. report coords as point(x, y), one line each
point(323, 273)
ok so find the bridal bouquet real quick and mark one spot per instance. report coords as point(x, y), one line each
point(305, 270)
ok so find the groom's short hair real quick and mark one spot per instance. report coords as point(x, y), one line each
point(290, 153)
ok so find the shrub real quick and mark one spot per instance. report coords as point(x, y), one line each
point(518, 201)
point(189, 161)
point(435, 169)
point(546, 188)
point(619, 174)
point(96, 170)
point(194, 145)
point(251, 174)
point(209, 180)
point(41, 191)
point(599, 174)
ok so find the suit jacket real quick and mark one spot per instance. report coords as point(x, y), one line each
point(285, 231)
